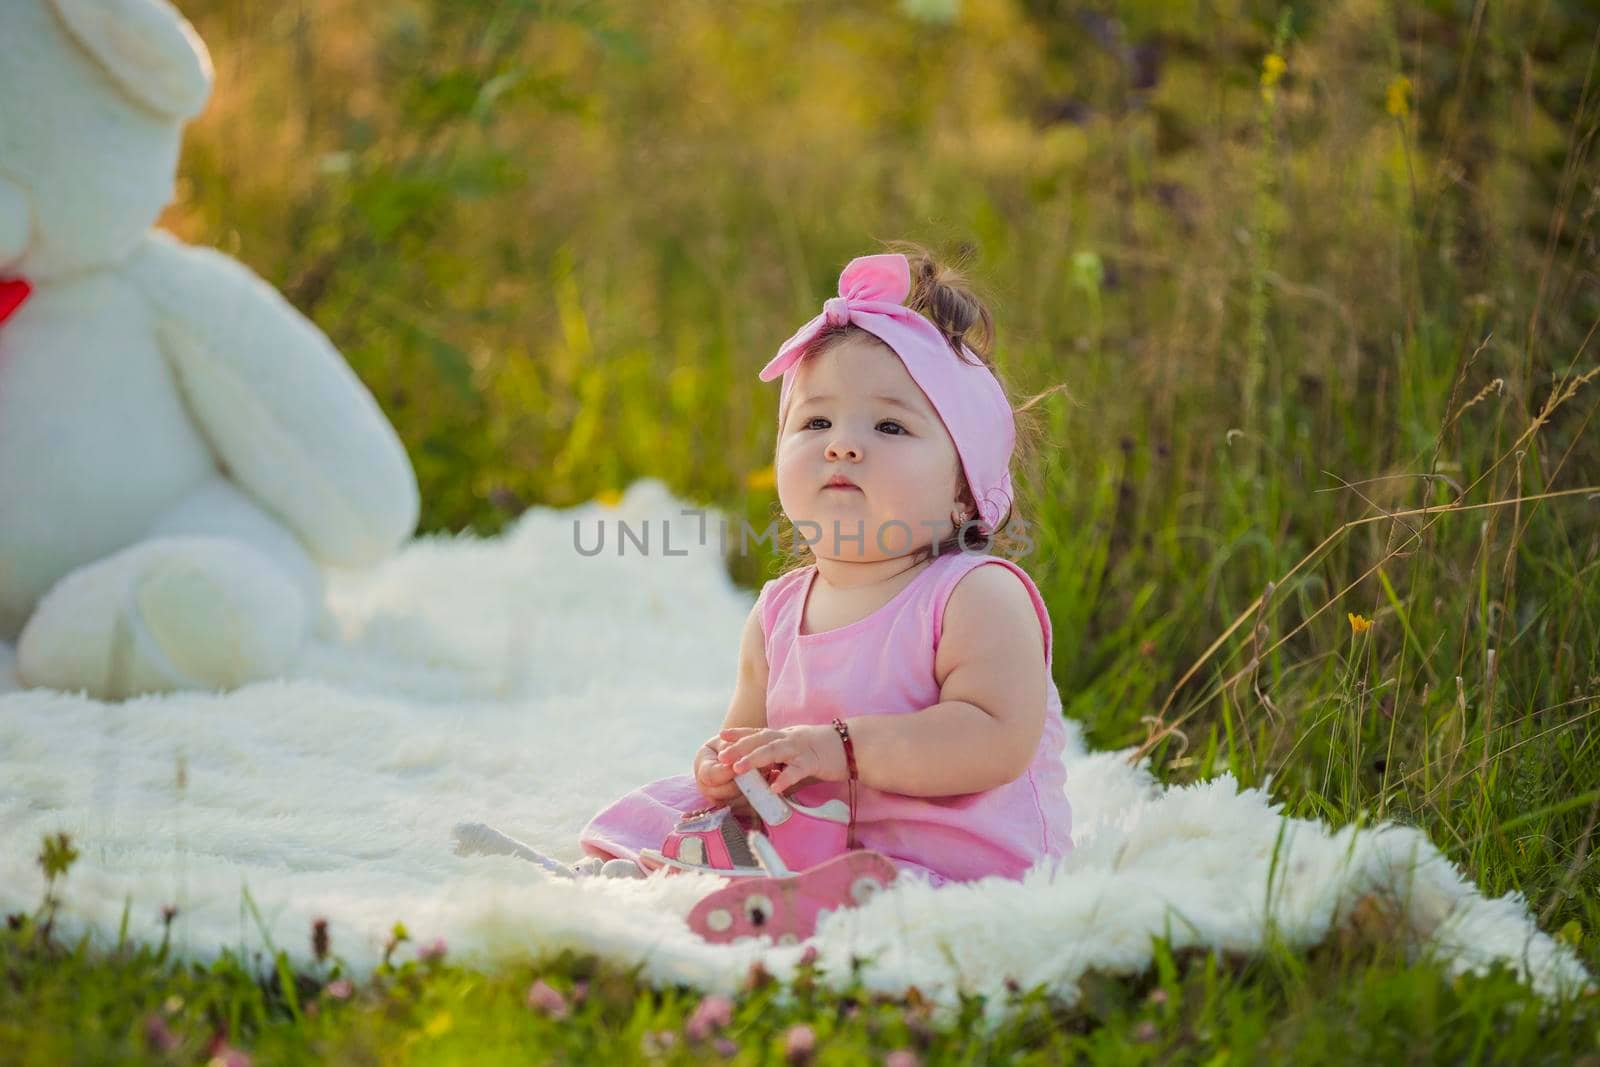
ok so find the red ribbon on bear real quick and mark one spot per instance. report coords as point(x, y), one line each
point(13, 291)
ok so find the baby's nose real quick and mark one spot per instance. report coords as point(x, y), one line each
point(843, 448)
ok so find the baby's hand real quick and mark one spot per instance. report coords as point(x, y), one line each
point(797, 753)
point(714, 777)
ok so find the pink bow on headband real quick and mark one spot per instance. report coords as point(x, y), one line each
point(967, 397)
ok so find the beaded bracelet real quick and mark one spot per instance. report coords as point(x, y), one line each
point(850, 762)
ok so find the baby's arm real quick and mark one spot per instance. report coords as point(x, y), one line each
point(747, 708)
point(983, 732)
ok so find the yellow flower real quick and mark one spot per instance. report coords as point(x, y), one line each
point(1397, 101)
point(1358, 625)
point(1272, 69)
point(609, 497)
point(765, 478)
point(438, 1025)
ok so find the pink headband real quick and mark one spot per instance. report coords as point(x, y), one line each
point(966, 396)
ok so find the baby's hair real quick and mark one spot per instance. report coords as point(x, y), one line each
point(946, 298)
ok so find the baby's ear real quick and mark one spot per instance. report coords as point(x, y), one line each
point(148, 48)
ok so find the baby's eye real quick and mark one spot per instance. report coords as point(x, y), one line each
point(810, 424)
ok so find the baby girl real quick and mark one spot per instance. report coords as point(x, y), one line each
point(903, 636)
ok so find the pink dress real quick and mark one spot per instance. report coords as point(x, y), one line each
point(882, 664)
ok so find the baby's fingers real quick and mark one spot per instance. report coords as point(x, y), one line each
point(714, 773)
point(722, 794)
point(749, 743)
point(791, 776)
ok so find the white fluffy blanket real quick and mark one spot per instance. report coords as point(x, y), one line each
point(516, 682)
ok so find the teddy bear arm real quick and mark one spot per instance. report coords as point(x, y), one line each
point(285, 415)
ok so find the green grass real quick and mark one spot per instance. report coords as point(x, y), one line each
point(1293, 309)
point(1352, 999)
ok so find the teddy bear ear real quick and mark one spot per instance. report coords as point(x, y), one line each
point(148, 49)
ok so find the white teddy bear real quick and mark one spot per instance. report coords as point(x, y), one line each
point(178, 446)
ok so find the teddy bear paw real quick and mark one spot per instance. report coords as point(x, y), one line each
point(177, 613)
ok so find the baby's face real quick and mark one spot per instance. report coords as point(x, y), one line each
point(855, 411)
